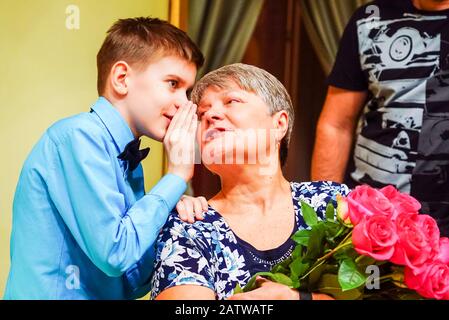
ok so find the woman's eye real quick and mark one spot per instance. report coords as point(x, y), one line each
point(173, 83)
point(233, 100)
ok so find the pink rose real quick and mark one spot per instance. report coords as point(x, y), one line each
point(402, 202)
point(343, 210)
point(418, 240)
point(443, 255)
point(430, 228)
point(375, 237)
point(431, 282)
point(365, 201)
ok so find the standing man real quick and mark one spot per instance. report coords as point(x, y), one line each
point(390, 89)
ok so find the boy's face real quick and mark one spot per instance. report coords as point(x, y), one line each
point(155, 93)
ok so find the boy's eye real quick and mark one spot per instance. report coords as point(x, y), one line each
point(173, 83)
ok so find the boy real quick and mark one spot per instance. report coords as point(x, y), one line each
point(83, 228)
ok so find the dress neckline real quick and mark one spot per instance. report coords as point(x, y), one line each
point(284, 246)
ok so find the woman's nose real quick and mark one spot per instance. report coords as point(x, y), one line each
point(213, 115)
point(216, 111)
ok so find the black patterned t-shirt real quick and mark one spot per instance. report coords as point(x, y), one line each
point(401, 56)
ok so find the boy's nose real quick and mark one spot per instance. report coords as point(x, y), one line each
point(180, 103)
point(182, 99)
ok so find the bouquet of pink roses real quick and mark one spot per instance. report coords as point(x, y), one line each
point(379, 247)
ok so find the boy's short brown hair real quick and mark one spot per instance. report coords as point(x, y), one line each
point(138, 41)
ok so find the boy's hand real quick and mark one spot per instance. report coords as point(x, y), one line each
point(179, 141)
point(190, 208)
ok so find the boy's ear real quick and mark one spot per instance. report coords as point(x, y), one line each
point(118, 77)
point(280, 120)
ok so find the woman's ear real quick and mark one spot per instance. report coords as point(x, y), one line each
point(118, 77)
point(280, 121)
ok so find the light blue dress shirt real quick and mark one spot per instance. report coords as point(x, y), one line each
point(83, 227)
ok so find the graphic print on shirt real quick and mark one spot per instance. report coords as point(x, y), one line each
point(389, 145)
point(430, 176)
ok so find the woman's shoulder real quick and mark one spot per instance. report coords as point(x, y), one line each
point(311, 188)
point(175, 227)
point(317, 194)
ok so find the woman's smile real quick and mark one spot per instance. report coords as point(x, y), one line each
point(214, 133)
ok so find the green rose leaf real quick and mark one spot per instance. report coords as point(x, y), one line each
point(309, 214)
point(275, 277)
point(297, 252)
point(280, 268)
point(331, 230)
point(347, 253)
point(238, 289)
point(329, 284)
point(315, 275)
point(330, 212)
point(302, 237)
point(251, 285)
point(298, 268)
point(349, 276)
point(281, 278)
point(364, 261)
point(315, 247)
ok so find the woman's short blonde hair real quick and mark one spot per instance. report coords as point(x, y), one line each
point(258, 81)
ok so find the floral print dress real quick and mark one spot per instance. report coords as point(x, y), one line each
point(208, 253)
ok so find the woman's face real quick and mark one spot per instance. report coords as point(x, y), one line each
point(236, 127)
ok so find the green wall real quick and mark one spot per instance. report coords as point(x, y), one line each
point(48, 72)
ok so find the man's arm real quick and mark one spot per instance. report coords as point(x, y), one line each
point(335, 133)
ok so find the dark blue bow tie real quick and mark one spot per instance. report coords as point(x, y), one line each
point(133, 155)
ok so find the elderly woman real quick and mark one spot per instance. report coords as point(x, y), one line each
point(246, 120)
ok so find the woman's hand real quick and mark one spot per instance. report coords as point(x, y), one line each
point(269, 290)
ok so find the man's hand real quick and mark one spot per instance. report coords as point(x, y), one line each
point(179, 141)
point(190, 208)
point(269, 290)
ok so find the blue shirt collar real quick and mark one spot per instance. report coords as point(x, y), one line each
point(114, 122)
